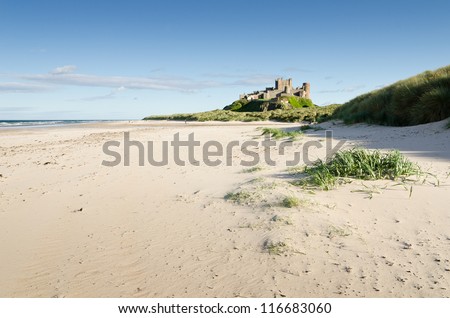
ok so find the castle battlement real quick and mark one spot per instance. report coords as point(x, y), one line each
point(282, 88)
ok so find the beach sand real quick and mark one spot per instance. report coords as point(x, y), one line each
point(71, 227)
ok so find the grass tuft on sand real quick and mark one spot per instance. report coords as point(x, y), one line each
point(278, 133)
point(252, 169)
point(358, 164)
point(290, 202)
point(275, 248)
point(240, 197)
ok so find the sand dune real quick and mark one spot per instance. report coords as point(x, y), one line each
point(70, 227)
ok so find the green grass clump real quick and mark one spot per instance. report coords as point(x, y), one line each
point(310, 127)
point(290, 202)
point(300, 102)
point(280, 133)
point(281, 220)
point(252, 169)
point(276, 248)
point(240, 197)
point(417, 100)
point(335, 231)
point(358, 164)
point(237, 105)
point(296, 170)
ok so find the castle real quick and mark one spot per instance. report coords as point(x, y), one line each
point(282, 88)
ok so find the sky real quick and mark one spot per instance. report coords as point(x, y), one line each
point(129, 59)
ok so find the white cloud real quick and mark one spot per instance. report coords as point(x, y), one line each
point(66, 69)
point(256, 80)
point(249, 79)
point(15, 87)
point(14, 109)
point(65, 76)
point(110, 95)
point(61, 76)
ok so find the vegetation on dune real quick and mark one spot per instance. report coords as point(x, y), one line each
point(417, 100)
point(252, 169)
point(240, 197)
point(358, 164)
point(284, 220)
point(290, 202)
point(275, 248)
point(311, 114)
point(310, 127)
point(281, 133)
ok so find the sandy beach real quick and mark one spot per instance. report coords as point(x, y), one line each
point(72, 227)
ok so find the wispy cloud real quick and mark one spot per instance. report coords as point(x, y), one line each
point(156, 70)
point(67, 76)
point(66, 69)
point(64, 76)
point(17, 87)
point(110, 95)
point(243, 79)
point(14, 109)
point(258, 79)
point(252, 79)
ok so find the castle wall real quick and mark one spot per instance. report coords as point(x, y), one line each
point(282, 88)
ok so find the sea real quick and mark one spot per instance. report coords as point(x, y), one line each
point(41, 123)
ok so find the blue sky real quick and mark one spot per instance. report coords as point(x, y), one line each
point(128, 59)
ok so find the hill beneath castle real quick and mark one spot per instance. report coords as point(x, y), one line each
point(260, 105)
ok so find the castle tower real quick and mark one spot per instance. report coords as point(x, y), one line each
point(306, 89)
point(279, 83)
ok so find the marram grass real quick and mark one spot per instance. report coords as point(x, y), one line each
point(280, 133)
point(417, 100)
point(290, 202)
point(240, 197)
point(358, 164)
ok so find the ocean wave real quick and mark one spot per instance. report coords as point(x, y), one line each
point(28, 123)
